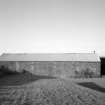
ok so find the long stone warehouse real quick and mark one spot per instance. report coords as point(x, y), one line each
point(53, 64)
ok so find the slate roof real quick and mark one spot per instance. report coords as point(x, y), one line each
point(90, 57)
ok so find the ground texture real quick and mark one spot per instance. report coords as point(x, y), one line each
point(27, 89)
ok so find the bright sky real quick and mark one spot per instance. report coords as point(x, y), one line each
point(28, 26)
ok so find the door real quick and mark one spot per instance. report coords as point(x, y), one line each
point(102, 66)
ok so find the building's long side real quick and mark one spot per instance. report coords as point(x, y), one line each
point(56, 68)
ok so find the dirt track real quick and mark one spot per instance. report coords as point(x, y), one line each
point(50, 92)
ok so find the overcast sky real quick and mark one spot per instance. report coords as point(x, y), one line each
point(52, 26)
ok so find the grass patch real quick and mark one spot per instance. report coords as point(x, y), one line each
point(93, 86)
point(21, 79)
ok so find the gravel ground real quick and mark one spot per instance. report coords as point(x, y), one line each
point(50, 92)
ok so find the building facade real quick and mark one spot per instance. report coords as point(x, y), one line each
point(58, 65)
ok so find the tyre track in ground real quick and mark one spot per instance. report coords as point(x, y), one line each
point(50, 92)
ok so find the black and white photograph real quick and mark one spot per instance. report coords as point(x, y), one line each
point(52, 52)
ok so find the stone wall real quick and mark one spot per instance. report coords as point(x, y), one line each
point(56, 68)
point(10, 65)
point(59, 68)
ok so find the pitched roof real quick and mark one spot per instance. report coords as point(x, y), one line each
point(91, 57)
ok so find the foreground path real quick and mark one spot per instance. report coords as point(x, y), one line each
point(50, 92)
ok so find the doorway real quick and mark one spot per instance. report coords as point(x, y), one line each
point(102, 66)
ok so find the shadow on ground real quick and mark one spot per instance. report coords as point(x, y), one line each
point(21, 79)
point(92, 85)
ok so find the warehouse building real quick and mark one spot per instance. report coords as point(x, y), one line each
point(53, 64)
